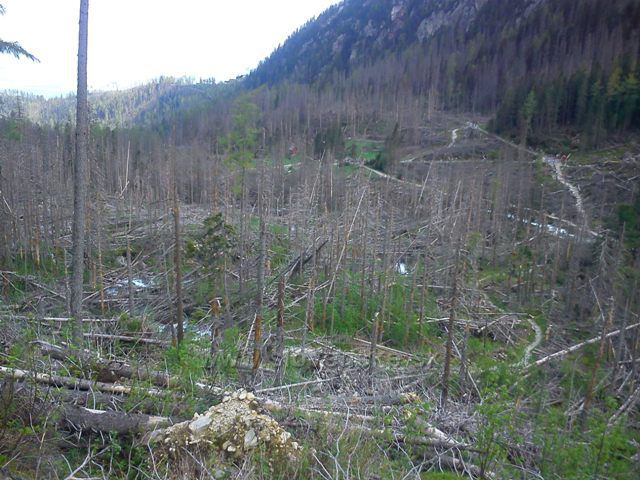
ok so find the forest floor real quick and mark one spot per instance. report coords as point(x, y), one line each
point(359, 401)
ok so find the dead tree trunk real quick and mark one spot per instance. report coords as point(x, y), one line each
point(588, 397)
point(79, 181)
point(257, 341)
point(373, 346)
point(452, 318)
point(280, 335)
point(177, 259)
point(81, 418)
point(129, 265)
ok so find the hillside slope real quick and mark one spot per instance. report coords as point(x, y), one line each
point(151, 104)
point(576, 62)
point(480, 55)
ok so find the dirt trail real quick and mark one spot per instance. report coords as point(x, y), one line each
point(528, 352)
point(475, 126)
point(559, 175)
point(454, 137)
point(391, 177)
point(533, 345)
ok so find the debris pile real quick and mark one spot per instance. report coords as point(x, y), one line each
point(233, 428)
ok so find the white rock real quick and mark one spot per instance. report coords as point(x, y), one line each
point(199, 424)
point(250, 439)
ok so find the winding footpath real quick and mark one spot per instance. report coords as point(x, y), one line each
point(559, 175)
point(454, 137)
point(380, 174)
point(556, 164)
point(533, 345)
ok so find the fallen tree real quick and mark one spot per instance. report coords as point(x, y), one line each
point(573, 348)
point(108, 370)
point(82, 418)
point(69, 382)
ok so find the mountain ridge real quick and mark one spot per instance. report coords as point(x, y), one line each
point(580, 60)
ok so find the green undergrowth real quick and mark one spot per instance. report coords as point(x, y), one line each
point(440, 476)
point(349, 314)
point(363, 149)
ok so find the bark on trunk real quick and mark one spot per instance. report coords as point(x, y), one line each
point(81, 418)
point(79, 182)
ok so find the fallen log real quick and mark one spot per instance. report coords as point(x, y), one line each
point(67, 319)
point(69, 382)
point(83, 384)
point(81, 418)
point(173, 406)
point(460, 466)
point(81, 398)
point(296, 385)
point(124, 338)
point(387, 349)
point(627, 405)
point(567, 351)
point(384, 400)
point(32, 281)
point(431, 434)
point(107, 370)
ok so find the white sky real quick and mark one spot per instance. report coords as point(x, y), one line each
point(133, 41)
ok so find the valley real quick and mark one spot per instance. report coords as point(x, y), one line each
point(387, 257)
point(404, 246)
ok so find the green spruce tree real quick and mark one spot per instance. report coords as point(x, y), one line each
point(14, 48)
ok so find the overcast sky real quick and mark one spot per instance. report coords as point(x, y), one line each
point(133, 41)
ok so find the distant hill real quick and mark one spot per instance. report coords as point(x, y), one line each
point(150, 104)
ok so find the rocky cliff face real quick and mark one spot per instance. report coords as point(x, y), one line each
point(359, 31)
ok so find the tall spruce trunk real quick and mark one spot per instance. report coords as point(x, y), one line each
point(588, 396)
point(79, 182)
point(129, 260)
point(257, 344)
point(177, 261)
point(451, 324)
point(280, 334)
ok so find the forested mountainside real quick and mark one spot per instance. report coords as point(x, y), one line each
point(153, 104)
point(577, 64)
point(406, 246)
point(580, 58)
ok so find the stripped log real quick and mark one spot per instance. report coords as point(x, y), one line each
point(69, 382)
point(387, 349)
point(567, 351)
point(123, 338)
point(67, 319)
